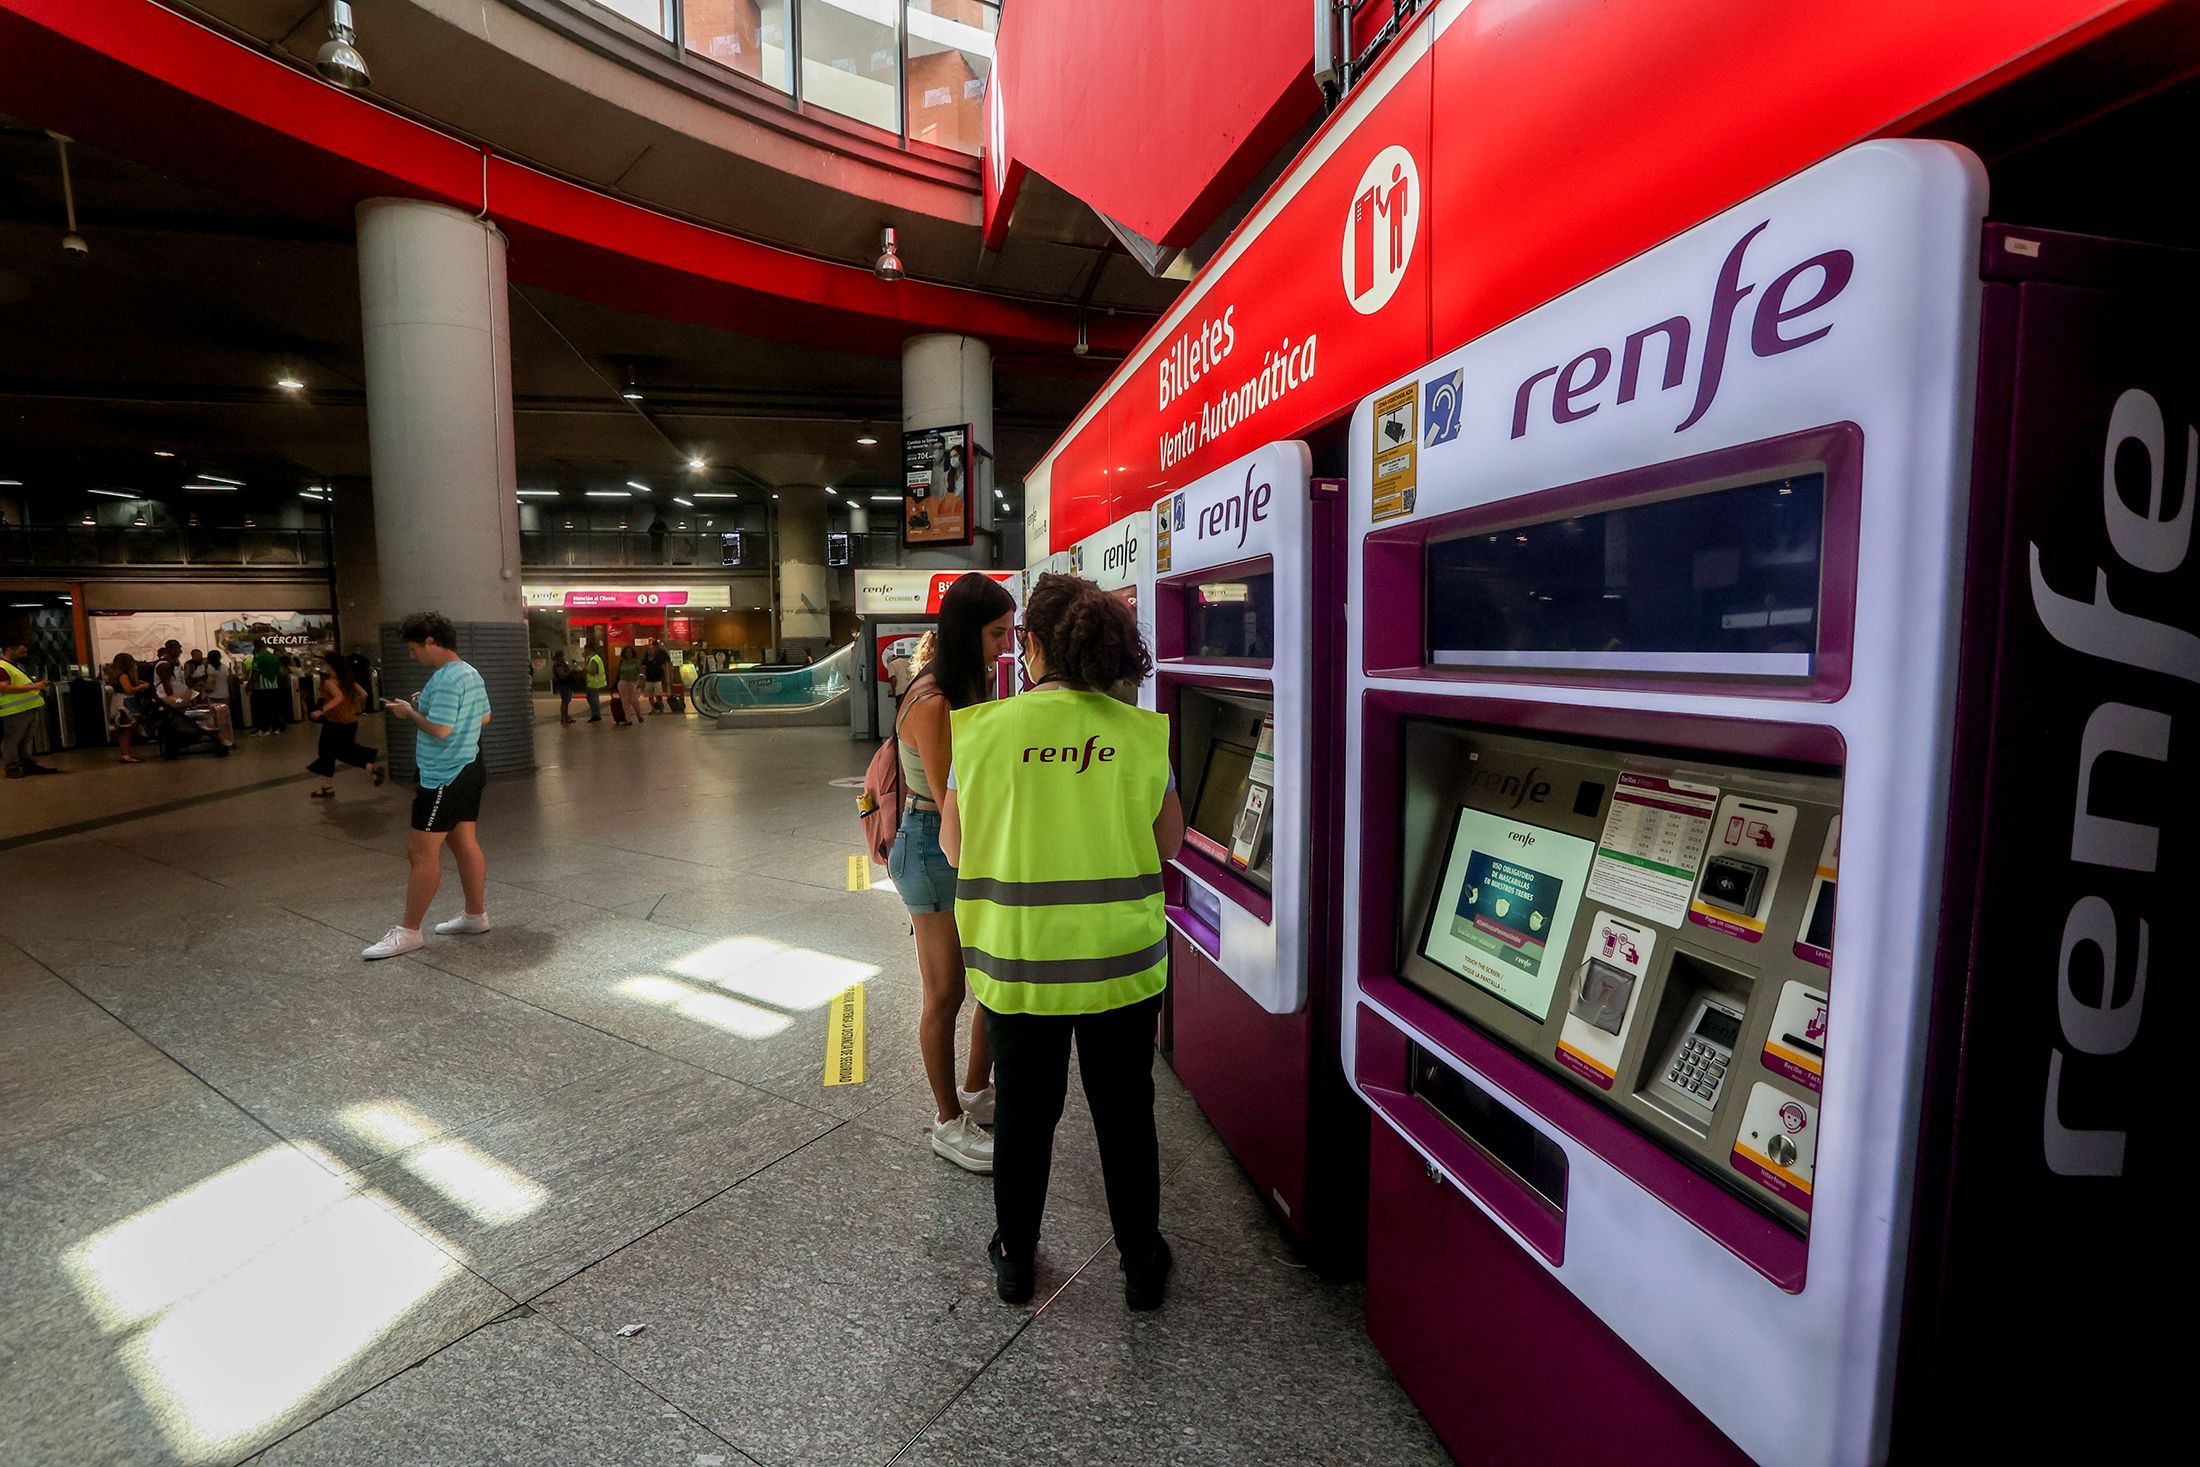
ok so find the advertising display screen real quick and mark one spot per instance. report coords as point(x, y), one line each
point(936, 469)
point(1505, 907)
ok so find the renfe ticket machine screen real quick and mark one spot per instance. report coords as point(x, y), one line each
point(1652, 926)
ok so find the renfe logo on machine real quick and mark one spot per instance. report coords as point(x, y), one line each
point(1239, 512)
point(1574, 394)
point(2097, 1013)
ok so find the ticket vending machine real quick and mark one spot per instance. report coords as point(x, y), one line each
point(1761, 707)
point(894, 607)
point(1246, 668)
point(1119, 560)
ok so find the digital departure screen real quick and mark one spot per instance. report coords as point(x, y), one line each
point(1505, 907)
point(1222, 791)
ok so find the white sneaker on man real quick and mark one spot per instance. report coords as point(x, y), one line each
point(395, 943)
point(977, 1104)
point(963, 1142)
point(471, 924)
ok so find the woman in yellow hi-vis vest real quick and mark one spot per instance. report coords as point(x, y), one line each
point(1059, 813)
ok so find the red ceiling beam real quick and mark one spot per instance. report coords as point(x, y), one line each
point(139, 80)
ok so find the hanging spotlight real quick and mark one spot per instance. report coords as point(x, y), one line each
point(888, 268)
point(633, 391)
point(339, 59)
point(696, 466)
point(72, 243)
point(867, 438)
point(1083, 347)
point(88, 519)
point(138, 519)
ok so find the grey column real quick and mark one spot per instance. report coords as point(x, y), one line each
point(439, 428)
point(805, 585)
point(946, 380)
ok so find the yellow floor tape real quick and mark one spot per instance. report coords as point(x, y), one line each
point(844, 1038)
point(859, 873)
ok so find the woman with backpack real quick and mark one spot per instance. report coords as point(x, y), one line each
point(977, 619)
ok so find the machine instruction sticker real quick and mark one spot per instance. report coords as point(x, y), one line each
point(1777, 1147)
point(1506, 910)
point(1396, 441)
point(1601, 1010)
point(1749, 845)
point(1814, 943)
point(1652, 845)
point(1796, 1047)
point(1164, 532)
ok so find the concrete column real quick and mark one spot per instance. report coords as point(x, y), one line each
point(357, 564)
point(859, 517)
point(439, 427)
point(805, 584)
point(945, 380)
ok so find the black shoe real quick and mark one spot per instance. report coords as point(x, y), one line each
point(1013, 1278)
point(40, 769)
point(1145, 1283)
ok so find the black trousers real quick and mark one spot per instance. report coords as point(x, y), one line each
point(1031, 1078)
point(340, 743)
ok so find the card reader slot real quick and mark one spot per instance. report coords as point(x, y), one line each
point(1517, 1148)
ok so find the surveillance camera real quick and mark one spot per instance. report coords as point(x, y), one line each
point(75, 244)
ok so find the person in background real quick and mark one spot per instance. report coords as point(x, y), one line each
point(128, 688)
point(267, 685)
point(194, 671)
point(450, 714)
point(658, 529)
point(342, 699)
point(1061, 812)
point(22, 702)
point(595, 682)
point(561, 683)
point(655, 663)
point(976, 622)
point(629, 676)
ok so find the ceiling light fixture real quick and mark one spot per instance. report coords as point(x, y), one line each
point(138, 519)
point(829, 489)
point(609, 494)
point(163, 453)
point(885, 498)
point(1083, 347)
point(339, 59)
point(289, 383)
point(313, 494)
point(888, 266)
point(88, 518)
point(696, 466)
point(633, 391)
point(633, 484)
point(683, 503)
point(218, 479)
point(708, 494)
point(867, 438)
point(111, 494)
point(538, 493)
point(209, 488)
point(72, 243)
point(11, 483)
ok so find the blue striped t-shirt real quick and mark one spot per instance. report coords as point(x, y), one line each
point(455, 695)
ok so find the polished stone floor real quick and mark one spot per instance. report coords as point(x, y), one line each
point(573, 1192)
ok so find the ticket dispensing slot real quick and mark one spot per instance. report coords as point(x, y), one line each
point(1628, 920)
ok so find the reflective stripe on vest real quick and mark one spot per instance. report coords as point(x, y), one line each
point(12, 701)
point(1058, 897)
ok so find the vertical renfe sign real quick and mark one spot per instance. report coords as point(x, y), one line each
point(936, 474)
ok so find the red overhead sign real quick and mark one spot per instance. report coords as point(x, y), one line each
point(1503, 154)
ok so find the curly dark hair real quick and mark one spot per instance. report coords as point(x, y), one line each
point(1089, 638)
point(430, 626)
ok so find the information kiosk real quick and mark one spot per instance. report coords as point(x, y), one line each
point(1798, 558)
point(1247, 672)
point(894, 607)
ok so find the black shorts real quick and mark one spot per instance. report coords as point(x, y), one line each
point(438, 810)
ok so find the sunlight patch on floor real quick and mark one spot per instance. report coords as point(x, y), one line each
point(485, 1187)
point(719, 1010)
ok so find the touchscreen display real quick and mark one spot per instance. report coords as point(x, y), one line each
point(1222, 791)
point(1505, 907)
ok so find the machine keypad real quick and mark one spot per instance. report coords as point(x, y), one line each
point(1698, 1069)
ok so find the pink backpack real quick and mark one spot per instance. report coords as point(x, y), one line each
point(879, 806)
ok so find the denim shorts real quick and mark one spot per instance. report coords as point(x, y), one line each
point(918, 867)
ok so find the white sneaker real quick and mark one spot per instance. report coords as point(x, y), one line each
point(465, 926)
point(395, 943)
point(963, 1143)
point(977, 1104)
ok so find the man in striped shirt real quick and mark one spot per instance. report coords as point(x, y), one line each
point(450, 714)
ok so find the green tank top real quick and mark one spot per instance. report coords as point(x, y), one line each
point(1058, 897)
